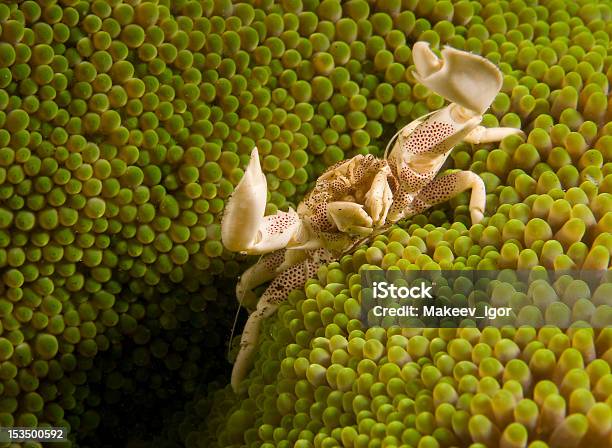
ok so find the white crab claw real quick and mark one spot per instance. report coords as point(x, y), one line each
point(244, 212)
point(461, 77)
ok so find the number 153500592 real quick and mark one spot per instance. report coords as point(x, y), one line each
point(22, 434)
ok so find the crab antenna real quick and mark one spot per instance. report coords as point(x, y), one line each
point(229, 343)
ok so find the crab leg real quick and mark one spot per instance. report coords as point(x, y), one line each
point(471, 83)
point(423, 145)
point(244, 228)
point(290, 279)
point(448, 186)
point(422, 150)
point(264, 270)
point(480, 134)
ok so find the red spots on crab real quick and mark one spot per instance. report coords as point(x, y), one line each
point(319, 256)
point(413, 181)
point(418, 205)
point(274, 260)
point(401, 201)
point(296, 276)
point(317, 204)
point(445, 187)
point(339, 186)
point(393, 182)
point(360, 169)
point(284, 283)
point(333, 236)
point(352, 179)
point(428, 137)
point(280, 222)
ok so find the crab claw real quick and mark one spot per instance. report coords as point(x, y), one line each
point(461, 77)
point(244, 212)
point(244, 228)
point(379, 198)
point(350, 217)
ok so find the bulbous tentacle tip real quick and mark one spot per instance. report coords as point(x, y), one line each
point(461, 77)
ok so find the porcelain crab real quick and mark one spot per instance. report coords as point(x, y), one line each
point(357, 197)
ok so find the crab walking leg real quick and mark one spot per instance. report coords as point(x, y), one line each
point(262, 271)
point(480, 134)
point(290, 279)
point(421, 151)
point(244, 228)
point(422, 148)
point(448, 186)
